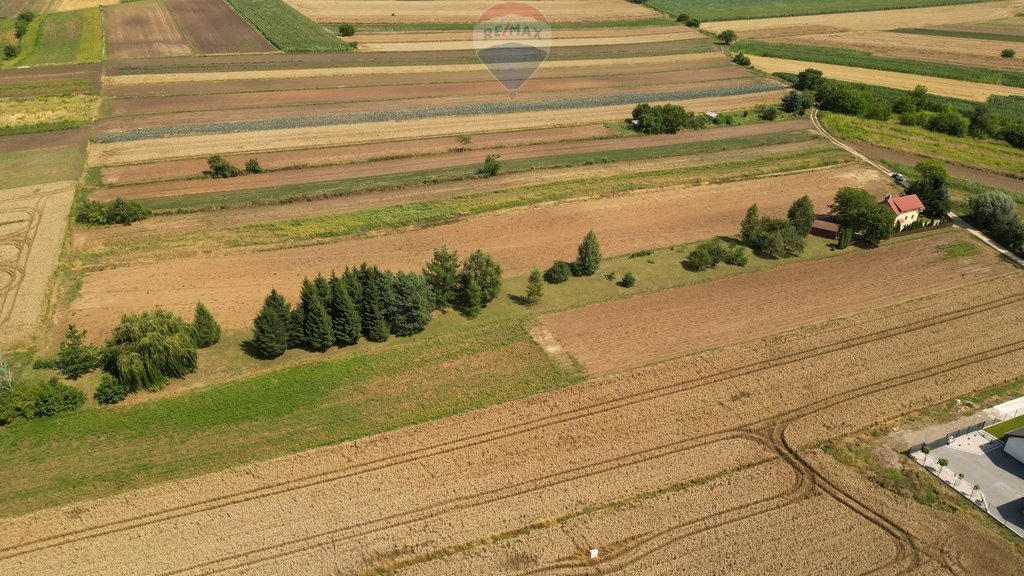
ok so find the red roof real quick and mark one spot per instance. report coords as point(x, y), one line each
point(903, 204)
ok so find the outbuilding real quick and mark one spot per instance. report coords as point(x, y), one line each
point(1015, 444)
point(825, 229)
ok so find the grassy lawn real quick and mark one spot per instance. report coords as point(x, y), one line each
point(989, 154)
point(405, 179)
point(300, 231)
point(313, 400)
point(67, 38)
point(1000, 430)
point(745, 9)
point(31, 167)
point(286, 28)
point(46, 113)
point(860, 59)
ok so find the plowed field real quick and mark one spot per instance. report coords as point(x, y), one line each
point(142, 30)
point(701, 463)
point(212, 27)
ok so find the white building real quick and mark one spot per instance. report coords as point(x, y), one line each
point(1015, 444)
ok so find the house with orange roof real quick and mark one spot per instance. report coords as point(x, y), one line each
point(906, 209)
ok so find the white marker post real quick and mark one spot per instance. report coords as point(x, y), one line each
point(593, 553)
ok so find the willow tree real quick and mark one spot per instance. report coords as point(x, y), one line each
point(148, 348)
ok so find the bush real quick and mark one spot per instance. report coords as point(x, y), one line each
point(346, 30)
point(122, 211)
point(688, 20)
point(44, 364)
point(559, 272)
point(92, 212)
point(491, 166)
point(10, 51)
point(796, 103)
point(75, 357)
point(665, 119)
point(768, 113)
point(1014, 135)
point(252, 166)
point(39, 400)
point(221, 168)
point(700, 259)
point(949, 122)
point(1008, 53)
point(110, 390)
point(709, 254)
point(741, 59)
point(628, 280)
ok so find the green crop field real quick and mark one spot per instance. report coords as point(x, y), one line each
point(457, 26)
point(962, 34)
point(1008, 106)
point(991, 155)
point(29, 167)
point(287, 28)
point(746, 9)
point(860, 59)
point(67, 38)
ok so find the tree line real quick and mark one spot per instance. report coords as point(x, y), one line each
point(21, 24)
point(118, 211)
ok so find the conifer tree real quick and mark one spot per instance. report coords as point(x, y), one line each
point(76, 357)
point(442, 274)
point(205, 329)
point(296, 327)
point(588, 257)
point(474, 299)
point(374, 309)
point(750, 228)
point(317, 330)
point(270, 327)
point(534, 286)
point(323, 287)
point(413, 303)
point(344, 314)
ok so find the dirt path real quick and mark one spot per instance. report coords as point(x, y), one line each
point(543, 472)
point(954, 170)
point(233, 286)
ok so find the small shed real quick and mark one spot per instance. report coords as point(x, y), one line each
point(1015, 444)
point(825, 229)
point(712, 115)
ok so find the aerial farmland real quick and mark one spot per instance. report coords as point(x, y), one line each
point(475, 287)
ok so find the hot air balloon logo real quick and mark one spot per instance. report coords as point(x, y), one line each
point(512, 39)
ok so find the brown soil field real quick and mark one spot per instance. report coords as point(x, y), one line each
point(365, 11)
point(212, 86)
point(447, 96)
point(36, 140)
point(52, 80)
point(466, 42)
point(624, 63)
point(438, 159)
point(655, 327)
point(977, 53)
point(955, 170)
point(213, 27)
point(169, 148)
point(33, 220)
point(68, 5)
point(138, 173)
point(100, 239)
point(11, 8)
point(878, 19)
point(666, 32)
point(528, 486)
point(233, 286)
point(939, 86)
point(140, 30)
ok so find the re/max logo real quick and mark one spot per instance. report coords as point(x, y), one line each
point(512, 30)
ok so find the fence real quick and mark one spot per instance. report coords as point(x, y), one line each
point(945, 439)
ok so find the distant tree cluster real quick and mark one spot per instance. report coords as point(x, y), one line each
point(709, 254)
point(741, 59)
point(220, 167)
point(665, 119)
point(346, 30)
point(21, 24)
point(688, 20)
point(996, 213)
point(119, 211)
point(913, 108)
point(374, 304)
point(932, 187)
point(778, 237)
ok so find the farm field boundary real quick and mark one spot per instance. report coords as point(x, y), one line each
point(712, 10)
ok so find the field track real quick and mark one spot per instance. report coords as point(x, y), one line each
point(233, 285)
point(315, 512)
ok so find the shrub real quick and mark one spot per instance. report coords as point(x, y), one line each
point(1008, 53)
point(949, 122)
point(491, 166)
point(92, 212)
point(252, 166)
point(39, 400)
point(628, 280)
point(221, 168)
point(205, 329)
point(126, 212)
point(148, 348)
point(990, 208)
point(665, 119)
point(10, 51)
point(559, 272)
point(741, 59)
point(75, 357)
point(735, 256)
point(1014, 135)
point(110, 390)
point(727, 37)
point(693, 22)
point(796, 103)
point(588, 257)
point(768, 113)
point(346, 30)
point(701, 258)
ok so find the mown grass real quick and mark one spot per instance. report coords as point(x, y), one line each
point(980, 154)
point(1000, 430)
point(962, 34)
point(747, 9)
point(67, 38)
point(29, 167)
point(861, 59)
point(95, 452)
point(290, 193)
point(286, 27)
point(45, 113)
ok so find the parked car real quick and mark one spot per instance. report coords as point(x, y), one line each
point(899, 177)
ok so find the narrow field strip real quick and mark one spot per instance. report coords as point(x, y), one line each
point(712, 10)
point(466, 43)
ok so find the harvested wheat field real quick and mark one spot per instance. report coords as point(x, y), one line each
point(658, 326)
point(141, 30)
point(367, 11)
point(667, 467)
point(33, 220)
point(939, 86)
point(233, 285)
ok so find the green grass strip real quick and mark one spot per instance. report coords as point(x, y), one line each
point(962, 34)
point(67, 38)
point(861, 59)
point(748, 9)
point(286, 27)
point(1000, 430)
